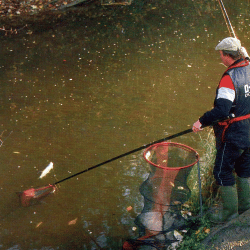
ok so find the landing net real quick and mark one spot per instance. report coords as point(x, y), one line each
point(164, 192)
point(170, 164)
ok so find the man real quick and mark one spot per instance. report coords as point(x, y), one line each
point(232, 135)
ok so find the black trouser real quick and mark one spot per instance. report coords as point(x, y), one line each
point(228, 158)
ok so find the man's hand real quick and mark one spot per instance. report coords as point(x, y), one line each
point(197, 126)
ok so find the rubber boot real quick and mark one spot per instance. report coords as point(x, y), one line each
point(243, 188)
point(230, 205)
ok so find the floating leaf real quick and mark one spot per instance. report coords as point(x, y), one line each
point(129, 208)
point(72, 222)
point(39, 224)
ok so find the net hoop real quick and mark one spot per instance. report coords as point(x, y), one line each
point(170, 144)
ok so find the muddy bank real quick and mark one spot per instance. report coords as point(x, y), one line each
point(14, 14)
point(46, 14)
point(20, 18)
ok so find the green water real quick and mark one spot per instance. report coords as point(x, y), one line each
point(89, 89)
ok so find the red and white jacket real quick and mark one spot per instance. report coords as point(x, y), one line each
point(232, 97)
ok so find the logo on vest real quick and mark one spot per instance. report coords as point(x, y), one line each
point(247, 90)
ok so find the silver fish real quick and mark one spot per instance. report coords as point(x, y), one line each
point(46, 170)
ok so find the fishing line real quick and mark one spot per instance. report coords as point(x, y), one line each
point(226, 17)
point(2, 141)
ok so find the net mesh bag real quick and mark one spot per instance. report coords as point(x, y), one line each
point(32, 196)
point(170, 166)
point(164, 192)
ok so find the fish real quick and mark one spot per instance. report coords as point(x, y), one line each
point(46, 170)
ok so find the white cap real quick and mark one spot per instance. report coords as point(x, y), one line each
point(229, 43)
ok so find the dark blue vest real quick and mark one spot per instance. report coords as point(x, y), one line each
point(238, 133)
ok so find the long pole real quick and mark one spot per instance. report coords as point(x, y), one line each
point(127, 153)
point(140, 148)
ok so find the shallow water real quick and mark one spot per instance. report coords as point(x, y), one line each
point(88, 90)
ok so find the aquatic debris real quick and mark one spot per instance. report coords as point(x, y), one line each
point(171, 183)
point(39, 224)
point(46, 170)
point(129, 208)
point(72, 222)
point(148, 155)
point(185, 214)
point(176, 202)
point(178, 235)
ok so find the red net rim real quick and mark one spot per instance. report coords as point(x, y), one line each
point(175, 144)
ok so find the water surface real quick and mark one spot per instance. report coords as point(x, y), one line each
point(86, 90)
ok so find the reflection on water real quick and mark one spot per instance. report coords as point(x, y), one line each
point(87, 90)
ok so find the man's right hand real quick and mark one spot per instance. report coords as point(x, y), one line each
point(197, 126)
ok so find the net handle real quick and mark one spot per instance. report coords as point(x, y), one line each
point(127, 153)
point(179, 145)
point(140, 148)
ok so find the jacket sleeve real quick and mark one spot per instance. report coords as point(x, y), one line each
point(225, 97)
